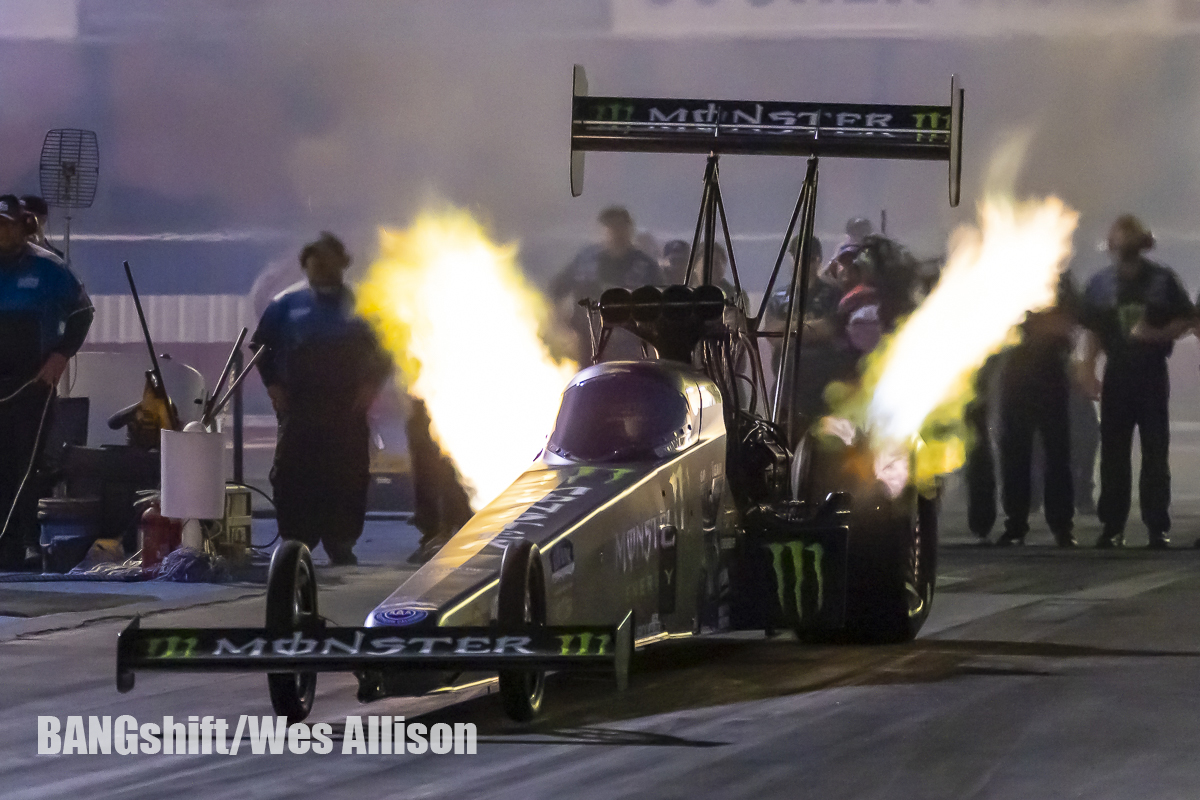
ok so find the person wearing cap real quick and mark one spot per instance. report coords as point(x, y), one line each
point(614, 262)
point(45, 315)
point(859, 311)
point(674, 262)
point(1133, 311)
point(857, 230)
point(322, 368)
point(38, 212)
point(821, 357)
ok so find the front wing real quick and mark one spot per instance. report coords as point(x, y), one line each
point(326, 649)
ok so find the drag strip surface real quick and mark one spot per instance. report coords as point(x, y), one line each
point(1041, 673)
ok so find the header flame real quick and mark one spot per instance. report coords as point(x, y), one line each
point(462, 324)
point(921, 378)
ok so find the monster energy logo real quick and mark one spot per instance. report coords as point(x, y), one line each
point(1129, 316)
point(612, 112)
point(585, 642)
point(795, 551)
point(170, 647)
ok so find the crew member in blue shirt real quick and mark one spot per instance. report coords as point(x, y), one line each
point(1134, 311)
point(44, 318)
point(323, 368)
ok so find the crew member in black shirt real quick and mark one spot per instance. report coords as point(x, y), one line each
point(1134, 311)
point(1034, 397)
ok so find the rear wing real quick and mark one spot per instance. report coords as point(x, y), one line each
point(668, 125)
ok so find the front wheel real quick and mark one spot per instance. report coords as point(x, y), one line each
point(291, 606)
point(521, 603)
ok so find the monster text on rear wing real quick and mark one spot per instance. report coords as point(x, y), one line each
point(668, 125)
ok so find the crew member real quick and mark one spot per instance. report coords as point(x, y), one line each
point(1134, 311)
point(720, 277)
point(674, 262)
point(821, 299)
point(440, 503)
point(859, 311)
point(44, 318)
point(1034, 397)
point(37, 213)
point(323, 368)
point(819, 354)
point(979, 469)
point(615, 262)
point(857, 230)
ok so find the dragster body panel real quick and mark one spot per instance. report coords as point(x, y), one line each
point(640, 535)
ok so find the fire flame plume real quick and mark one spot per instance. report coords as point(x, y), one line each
point(917, 383)
point(461, 323)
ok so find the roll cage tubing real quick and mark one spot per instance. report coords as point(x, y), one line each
point(667, 125)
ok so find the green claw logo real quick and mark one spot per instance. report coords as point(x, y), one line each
point(585, 642)
point(171, 647)
point(612, 112)
point(586, 472)
point(796, 551)
point(1129, 315)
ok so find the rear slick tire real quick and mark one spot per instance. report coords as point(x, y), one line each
point(891, 576)
point(521, 603)
point(291, 606)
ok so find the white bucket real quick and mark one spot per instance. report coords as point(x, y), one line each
point(193, 475)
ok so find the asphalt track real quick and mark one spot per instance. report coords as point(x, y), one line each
point(1041, 674)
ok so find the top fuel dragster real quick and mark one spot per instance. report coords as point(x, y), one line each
point(673, 498)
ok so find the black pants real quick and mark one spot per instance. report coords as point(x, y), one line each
point(20, 424)
point(1035, 401)
point(320, 476)
point(980, 468)
point(1135, 395)
point(1085, 443)
point(441, 504)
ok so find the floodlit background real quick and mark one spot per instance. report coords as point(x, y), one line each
point(232, 132)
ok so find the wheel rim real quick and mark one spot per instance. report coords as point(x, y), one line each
point(302, 612)
point(535, 682)
point(916, 588)
point(292, 614)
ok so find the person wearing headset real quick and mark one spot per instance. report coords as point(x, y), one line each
point(1133, 310)
point(45, 315)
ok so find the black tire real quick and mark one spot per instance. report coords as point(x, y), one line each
point(521, 602)
point(291, 605)
point(892, 571)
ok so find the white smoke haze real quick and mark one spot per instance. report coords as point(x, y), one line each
point(305, 115)
point(299, 114)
